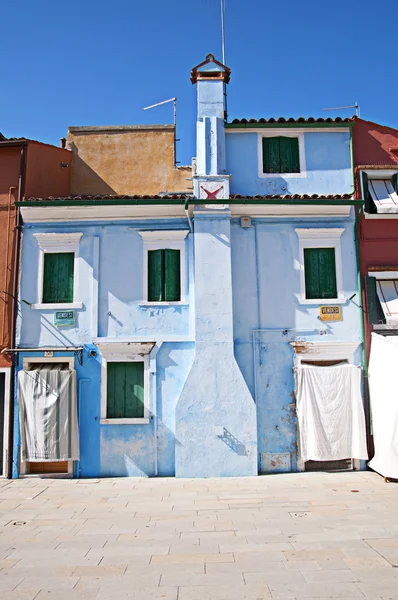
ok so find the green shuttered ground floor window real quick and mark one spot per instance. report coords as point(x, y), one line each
point(58, 277)
point(164, 275)
point(320, 273)
point(125, 390)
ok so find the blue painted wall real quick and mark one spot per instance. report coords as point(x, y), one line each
point(268, 316)
point(327, 157)
point(118, 449)
point(120, 288)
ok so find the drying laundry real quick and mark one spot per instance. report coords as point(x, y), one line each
point(330, 413)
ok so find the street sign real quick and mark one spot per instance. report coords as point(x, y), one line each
point(330, 313)
point(64, 317)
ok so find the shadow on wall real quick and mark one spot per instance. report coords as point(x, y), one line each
point(84, 179)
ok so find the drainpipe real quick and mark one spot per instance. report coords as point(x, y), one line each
point(14, 311)
point(362, 320)
point(81, 381)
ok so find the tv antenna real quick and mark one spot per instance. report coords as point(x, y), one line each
point(222, 6)
point(356, 106)
point(174, 100)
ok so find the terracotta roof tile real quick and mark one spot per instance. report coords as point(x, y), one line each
point(292, 120)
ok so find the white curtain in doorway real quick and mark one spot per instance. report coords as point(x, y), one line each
point(383, 388)
point(48, 415)
point(330, 413)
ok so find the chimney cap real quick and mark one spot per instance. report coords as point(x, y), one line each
point(211, 68)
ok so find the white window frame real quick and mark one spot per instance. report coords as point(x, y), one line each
point(378, 174)
point(57, 243)
point(41, 360)
point(285, 133)
point(165, 240)
point(135, 352)
point(321, 238)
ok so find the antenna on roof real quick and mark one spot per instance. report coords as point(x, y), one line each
point(356, 106)
point(222, 6)
point(174, 100)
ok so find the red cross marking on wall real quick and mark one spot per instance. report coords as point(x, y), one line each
point(211, 195)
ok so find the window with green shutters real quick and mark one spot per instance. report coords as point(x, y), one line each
point(58, 277)
point(125, 390)
point(164, 275)
point(320, 273)
point(281, 155)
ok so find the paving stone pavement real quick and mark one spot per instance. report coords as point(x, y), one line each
point(298, 536)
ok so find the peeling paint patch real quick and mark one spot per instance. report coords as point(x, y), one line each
point(301, 347)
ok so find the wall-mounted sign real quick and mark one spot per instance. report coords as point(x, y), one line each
point(64, 317)
point(330, 313)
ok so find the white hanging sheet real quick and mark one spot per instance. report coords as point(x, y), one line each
point(383, 388)
point(384, 196)
point(48, 415)
point(330, 413)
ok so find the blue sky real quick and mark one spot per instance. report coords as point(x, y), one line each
point(81, 62)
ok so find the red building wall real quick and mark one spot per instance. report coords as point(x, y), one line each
point(373, 147)
point(43, 176)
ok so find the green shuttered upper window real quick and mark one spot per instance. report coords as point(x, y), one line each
point(281, 155)
point(164, 275)
point(125, 390)
point(320, 273)
point(58, 277)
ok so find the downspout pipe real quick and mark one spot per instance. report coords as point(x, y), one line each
point(362, 322)
point(14, 311)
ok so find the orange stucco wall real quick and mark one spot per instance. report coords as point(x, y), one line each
point(9, 175)
point(125, 160)
point(44, 176)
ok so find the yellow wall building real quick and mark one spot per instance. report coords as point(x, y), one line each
point(126, 159)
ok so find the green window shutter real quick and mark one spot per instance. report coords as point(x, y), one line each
point(374, 310)
point(320, 273)
point(156, 275)
point(134, 403)
point(394, 180)
point(58, 277)
point(369, 204)
point(172, 275)
point(271, 155)
point(125, 390)
point(289, 155)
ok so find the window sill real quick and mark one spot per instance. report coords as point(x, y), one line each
point(300, 175)
point(143, 421)
point(60, 306)
point(322, 301)
point(145, 303)
point(380, 215)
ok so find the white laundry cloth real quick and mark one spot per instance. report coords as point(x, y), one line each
point(383, 388)
point(330, 413)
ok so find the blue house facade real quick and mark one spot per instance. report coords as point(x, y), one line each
point(184, 318)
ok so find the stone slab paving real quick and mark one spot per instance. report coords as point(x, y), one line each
point(299, 536)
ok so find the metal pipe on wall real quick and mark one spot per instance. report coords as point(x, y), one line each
point(14, 312)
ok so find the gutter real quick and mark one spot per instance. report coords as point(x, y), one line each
point(247, 201)
point(295, 125)
point(14, 311)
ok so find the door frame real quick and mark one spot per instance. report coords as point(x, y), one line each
point(22, 464)
point(6, 449)
point(319, 351)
